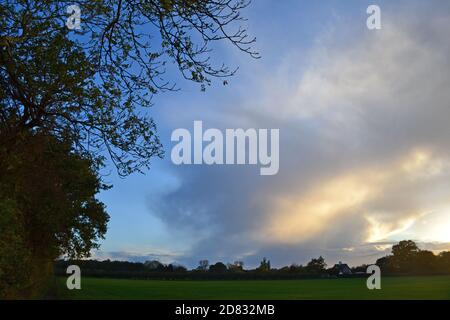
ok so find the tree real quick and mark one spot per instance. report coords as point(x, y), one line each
point(405, 249)
point(385, 264)
point(424, 262)
point(96, 83)
point(236, 266)
point(48, 208)
point(203, 265)
point(154, 265)
point(360, 269)
point(403, 255)
point(316, 265)
point(218, 267)
point(15, 256)
point(179, 268)
point(444, 262)
point(407, 258)
point(295, 268)
point(264, 265)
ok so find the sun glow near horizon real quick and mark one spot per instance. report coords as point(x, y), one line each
point(374, 195)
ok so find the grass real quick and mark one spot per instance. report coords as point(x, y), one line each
point(392, 288)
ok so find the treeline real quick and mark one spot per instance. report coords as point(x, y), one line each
point(406, 259)
point(205, 271)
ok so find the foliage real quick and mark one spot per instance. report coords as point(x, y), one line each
point(218, 267)
point(95, 84)
point(203, 265)
point(237, 266)
point(316, 265)
point(264, 265)
point(15, 256)
point(424, 263)
point(48, 208)
point(407, 258)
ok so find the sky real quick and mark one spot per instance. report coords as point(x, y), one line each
point(364, 159)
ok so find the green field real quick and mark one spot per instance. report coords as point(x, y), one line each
point(392, 288)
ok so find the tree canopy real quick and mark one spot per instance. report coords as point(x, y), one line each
point(408, 258)
point(317, 265)
point(48, 208)
point(95, 83)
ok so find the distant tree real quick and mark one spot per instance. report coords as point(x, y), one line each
point(296, 268)
point(405, 249)
point(203, 265)
point(179, 268)
point(444, 262)
point(264, 265)
point(169, 268)
point(384, 263)
point(236, 266)
point(403, 255)
point(218, 267)
point(316, 265)
point(424, 262)
point(154, 265)
point(407, 258)
point(360, 269)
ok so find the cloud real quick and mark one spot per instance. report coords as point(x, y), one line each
point(363, 149)
point(380, 195)
point(164, 257)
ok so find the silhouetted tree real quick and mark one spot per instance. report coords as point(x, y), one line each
point(424, 262)
point(236, 266)
point(154, 265)
point(444, 262)
point(218, 267)
point(405, 249)
point(360, 269)
point(95, 83)
point(203, 265)
point(264, 265)
point(317, 265)
point(385, 264)
point(179, 268)
point(403, 255)
point(296, 268)
point(407, 258)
